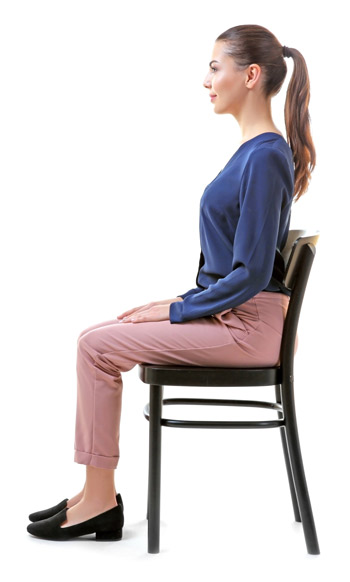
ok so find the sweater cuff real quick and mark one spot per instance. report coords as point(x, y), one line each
point(175, 311)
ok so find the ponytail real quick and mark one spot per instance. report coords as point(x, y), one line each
point(297, 119)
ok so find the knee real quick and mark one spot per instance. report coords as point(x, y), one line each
point(82, 333)
point(94, 342)
point(86, 342)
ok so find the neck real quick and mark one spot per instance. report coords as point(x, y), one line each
point(255, 118)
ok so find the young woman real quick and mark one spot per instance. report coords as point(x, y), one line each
point(234, 316)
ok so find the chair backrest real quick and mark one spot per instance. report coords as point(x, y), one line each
point(291, 251)
point(298, 253)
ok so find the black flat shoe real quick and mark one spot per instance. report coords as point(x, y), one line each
point(107, 526)
point(45, 513)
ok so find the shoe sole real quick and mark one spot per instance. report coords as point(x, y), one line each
point(101, 536)
point(109, 535)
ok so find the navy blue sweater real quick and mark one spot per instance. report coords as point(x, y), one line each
point(244, 218)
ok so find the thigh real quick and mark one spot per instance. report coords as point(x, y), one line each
point(204, 341)
point(240, 337)
point(97, 325)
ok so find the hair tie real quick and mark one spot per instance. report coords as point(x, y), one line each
point(286, 51)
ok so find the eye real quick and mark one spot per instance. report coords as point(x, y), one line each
point(213, 68)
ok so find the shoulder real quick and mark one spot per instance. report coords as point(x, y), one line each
point(271, 152)
point(268, 174)
point(269, 159)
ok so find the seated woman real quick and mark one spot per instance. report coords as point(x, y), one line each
point(235, 314)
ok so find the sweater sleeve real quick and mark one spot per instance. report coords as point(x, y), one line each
point(262, 191)
point(191, 292)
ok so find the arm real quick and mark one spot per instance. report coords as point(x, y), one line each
point(264, 190)
point(191, 292)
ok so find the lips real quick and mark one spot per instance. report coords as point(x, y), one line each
point(212, 95)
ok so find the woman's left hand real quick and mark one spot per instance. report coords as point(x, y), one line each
point(155, 313)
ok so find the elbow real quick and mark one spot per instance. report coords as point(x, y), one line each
point(259, 278)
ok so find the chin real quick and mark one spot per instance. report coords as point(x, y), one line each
point(219, 112)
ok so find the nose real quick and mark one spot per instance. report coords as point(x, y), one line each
point(206, 82)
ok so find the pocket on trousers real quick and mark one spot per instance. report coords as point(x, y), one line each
point(233, 323)
point(240, 320)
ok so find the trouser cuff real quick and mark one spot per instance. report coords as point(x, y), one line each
point(95, 460)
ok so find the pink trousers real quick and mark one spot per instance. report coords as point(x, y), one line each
point(248, 335)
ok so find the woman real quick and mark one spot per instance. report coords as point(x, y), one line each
point(235, 314)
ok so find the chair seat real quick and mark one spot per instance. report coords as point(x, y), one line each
point(168, 375)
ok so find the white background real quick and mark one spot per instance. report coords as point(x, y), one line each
point(108, 139)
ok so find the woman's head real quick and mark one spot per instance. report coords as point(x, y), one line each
point(229, 85)
point(251, 57)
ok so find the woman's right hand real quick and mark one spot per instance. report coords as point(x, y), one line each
point(147, 305)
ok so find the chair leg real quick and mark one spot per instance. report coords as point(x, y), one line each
point(297, 515)
point(293, 443)
point(154, 468)
point(287, 461)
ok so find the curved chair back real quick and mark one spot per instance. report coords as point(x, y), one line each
point(298, 253)
point(295, 242)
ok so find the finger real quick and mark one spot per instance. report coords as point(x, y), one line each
point(140, 319)
point(126, 313)
point(151, 314)
point(136, 315)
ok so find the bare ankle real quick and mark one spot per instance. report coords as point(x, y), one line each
point(98, 504)
point(74, 500)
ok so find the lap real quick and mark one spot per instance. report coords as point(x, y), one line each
point(247, 336)
point(112, 335)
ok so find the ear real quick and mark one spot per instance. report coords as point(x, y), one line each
point(253, 75)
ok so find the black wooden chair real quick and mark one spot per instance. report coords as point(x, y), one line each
point(298, 255)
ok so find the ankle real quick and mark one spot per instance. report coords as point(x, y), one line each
point(74, 500)
point(99, 504)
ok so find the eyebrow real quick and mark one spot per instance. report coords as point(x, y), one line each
point(212, 62)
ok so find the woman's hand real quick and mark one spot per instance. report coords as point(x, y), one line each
point(154, 313)
point(149, 312)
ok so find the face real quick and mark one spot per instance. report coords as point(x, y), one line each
point(226, 83)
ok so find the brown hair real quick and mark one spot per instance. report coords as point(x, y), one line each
point(250, 43)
